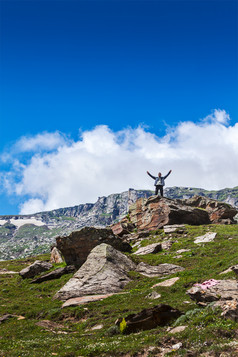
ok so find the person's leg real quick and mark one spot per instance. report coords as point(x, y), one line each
point(156, 190)
point(161, 190)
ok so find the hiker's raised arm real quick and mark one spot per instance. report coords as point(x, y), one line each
point(153, 177)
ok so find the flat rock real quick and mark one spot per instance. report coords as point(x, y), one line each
point(153, 295)
point(168, 282)
point(77, 246)
point(104, 272)
point(177, 329)
point(174, 228)
point(5, 271)
point(55, 274)
point(34, 269)
point(158, 270)
point(84, 300)
point(149, 249)
point(183, 251)
point(208, 237)
point(222, 290)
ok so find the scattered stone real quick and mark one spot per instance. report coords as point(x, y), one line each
point(149, 249)
point(55, 274)
point(5, 317)
point(49, 325)
point(34, 269)
point(84, 300)
point(177, 256)
point(178, 228)
point(166, 245)
point(104, 272)
point(123, 227)
point(96, 327)
point(176, 329)
point(235, 269)
point(226, 271)
point(183, 251)
point(208, 237)
point(56, 256)
point(150, 318)
point(169, 282)
point(77, 246)
point(5, 271)
point(229, 309)
point(223, 290)
point(153, 295)
point(158, 270)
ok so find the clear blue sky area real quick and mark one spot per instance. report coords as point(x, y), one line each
point(67, 65)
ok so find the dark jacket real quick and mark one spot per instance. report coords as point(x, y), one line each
point(159, 181)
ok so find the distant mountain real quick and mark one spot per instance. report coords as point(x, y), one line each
point(24, 235)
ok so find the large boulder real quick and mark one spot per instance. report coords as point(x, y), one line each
point(150, 318)
point(104, 272)
point(34, 269)
point(214, 290)
point(77, 246)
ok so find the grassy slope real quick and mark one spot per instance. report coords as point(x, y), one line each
point(70, 333)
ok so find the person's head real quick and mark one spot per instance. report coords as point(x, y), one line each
point(159, 174)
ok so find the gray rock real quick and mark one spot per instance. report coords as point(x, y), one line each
point(84, 300)
point(149, 249)
point(158, 270)
point(104, 272)
point(55, 274)
point(167, 283)
point(223, 290)
point(34, 269)
point(153, 295)
point(77, 246)
point(208, 237)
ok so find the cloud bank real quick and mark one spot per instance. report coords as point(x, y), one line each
point(60, 172)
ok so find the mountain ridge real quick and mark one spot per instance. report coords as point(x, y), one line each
point(24, 235)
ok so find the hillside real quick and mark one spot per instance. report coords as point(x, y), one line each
point(32, 323)
point(21, 236)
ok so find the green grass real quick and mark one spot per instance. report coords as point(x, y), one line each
point(71, 334)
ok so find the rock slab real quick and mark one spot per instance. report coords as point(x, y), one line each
point(34, 269)
point(77, 246)
point(149, 249)
point(158, 270)
point(104, 272)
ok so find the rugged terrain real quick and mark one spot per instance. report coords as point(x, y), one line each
point(21, 236)
point(32, 323)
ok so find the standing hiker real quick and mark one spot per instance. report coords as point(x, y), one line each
point(159, 182)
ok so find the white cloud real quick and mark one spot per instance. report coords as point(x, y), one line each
point(200, 154)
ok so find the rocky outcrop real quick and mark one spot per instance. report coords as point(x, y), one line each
point(104, 272)
point(147, 319)
point(157, 212)
point(34, 269)
point(77, 246)
point(219, 212)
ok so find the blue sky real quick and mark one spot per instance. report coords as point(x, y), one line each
point(70, 66)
